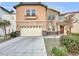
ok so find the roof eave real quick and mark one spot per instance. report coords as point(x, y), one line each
point(29, 4)
point(54, 10)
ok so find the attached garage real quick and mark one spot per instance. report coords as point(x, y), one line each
point(31, 31)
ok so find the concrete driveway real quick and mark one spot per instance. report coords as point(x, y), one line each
point(23, 46)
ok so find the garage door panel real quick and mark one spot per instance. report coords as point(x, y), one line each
point(31, 32)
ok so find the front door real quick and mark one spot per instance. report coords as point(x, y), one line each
point(61, 29)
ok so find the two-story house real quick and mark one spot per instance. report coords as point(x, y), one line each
point(36, 19)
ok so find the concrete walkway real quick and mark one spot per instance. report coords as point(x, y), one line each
point(23, 46)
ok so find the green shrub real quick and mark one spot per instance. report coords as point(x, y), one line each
point(59, 52)
point(14, 34)
point(65, 40)
point(71, 43)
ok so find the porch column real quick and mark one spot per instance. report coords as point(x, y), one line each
point(55, 28)
point(58, 29)
point(65, 32)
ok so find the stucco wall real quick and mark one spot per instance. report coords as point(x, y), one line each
point(54, 13)
point(75, 28)
point(40, 15)
point(53, 22)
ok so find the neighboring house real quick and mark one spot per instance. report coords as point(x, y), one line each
point(75, 28)
point(12, 19)
point(7, 15)
point(36, 19)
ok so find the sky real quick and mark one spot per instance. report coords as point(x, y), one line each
point(60, 6)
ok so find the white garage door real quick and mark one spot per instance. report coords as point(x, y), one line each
point(31, 31)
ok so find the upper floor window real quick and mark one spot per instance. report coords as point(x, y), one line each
point(61, 17)
point(30, 12)
point(33, 12)
point(51, 17)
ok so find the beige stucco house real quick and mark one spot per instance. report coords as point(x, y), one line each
point(75, 28)
point(36, 19)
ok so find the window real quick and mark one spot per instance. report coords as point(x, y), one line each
point(49, 29)
point(33, 12)
point(53, 28)
point(51, 17)
point(30, 12)
point(61, 17)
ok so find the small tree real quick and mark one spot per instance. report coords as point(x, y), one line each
point(4, 24)
point(69, 21)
